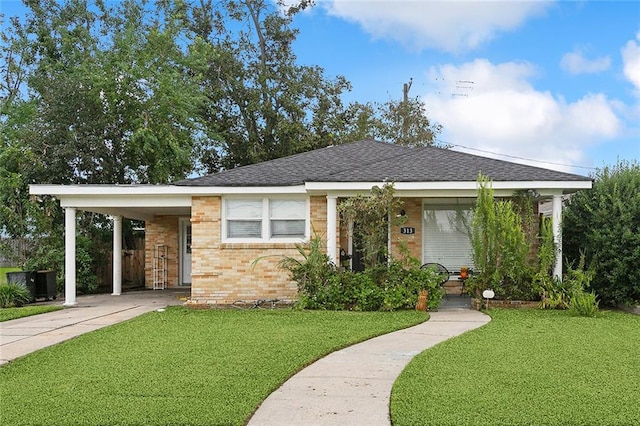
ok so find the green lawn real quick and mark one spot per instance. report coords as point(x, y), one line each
point(178, 367)
point(3, 273)
point(7, 314)
point(527, 367)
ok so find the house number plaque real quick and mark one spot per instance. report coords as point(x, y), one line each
point(407, 230)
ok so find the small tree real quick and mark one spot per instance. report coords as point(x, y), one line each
point(500, 247)
point(373, 214)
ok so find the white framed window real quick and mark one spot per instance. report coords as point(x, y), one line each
point(265, 219)
point(244, 218)
point(447, 233)
point(287, 218)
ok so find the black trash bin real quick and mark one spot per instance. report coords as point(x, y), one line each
point(26, 279)
point(46, 285)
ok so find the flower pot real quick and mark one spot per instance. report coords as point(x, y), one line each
point(422, 301)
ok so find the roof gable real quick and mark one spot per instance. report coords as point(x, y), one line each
point(374, 161)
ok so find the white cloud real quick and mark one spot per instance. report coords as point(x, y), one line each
point(501, 112)
point(576, 63)
point(631, 62)
point(446, 25)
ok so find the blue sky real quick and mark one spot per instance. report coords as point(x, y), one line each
point(553, 82)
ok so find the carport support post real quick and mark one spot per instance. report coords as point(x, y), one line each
point(332, 223)
point(557, 234)
point(69, 256)
point(117, 255)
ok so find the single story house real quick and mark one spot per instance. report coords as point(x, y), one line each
point(205, 233)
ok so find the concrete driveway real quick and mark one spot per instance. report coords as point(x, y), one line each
point(25, 335)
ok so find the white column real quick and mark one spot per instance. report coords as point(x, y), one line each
point(117, 256)
point(69, 256)
point(332, 223)
point(557, 234)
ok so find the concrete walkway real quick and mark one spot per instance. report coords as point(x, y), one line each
point(353, 386)
point(25, 335)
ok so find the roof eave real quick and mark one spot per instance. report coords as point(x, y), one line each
point(501, 188)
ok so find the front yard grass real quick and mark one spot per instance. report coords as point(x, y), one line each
point(3, 273)
point(527, 367)
point(180, 366)
point(7, 314)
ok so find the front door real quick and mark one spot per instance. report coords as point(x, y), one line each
point(185, 252)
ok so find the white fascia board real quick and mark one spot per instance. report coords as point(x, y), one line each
point(454, 188)
point(129, 200)
point(144, 190)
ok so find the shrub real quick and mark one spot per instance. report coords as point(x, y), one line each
point(500, 238)
point(384, 287)
point(583, 304)
point(13, 295)
point(564, 294)
point(604, 223)
point(312, 269)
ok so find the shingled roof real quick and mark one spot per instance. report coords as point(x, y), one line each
point(374, 161)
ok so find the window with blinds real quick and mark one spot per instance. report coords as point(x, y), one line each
point(447, 235)
point(244, 219)
point(287, 218)
point(264, 219)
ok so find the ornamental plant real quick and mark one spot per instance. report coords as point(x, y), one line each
point(500, 247)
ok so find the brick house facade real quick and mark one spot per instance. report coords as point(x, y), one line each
point(215, 227)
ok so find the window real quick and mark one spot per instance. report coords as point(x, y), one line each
point(287, 218)
point(265, 219)
point(447, 234)
point(244, 219)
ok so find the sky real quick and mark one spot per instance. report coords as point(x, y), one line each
point(554, 84)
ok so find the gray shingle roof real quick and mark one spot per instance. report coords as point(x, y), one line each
point(373, 161)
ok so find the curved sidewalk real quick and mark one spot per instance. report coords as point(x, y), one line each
point(353, 386)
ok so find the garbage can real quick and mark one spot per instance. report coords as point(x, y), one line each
point(46, 284)
point(26, 279)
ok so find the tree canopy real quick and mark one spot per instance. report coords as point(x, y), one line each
point(154, 91)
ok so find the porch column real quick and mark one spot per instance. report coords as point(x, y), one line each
point(117, 255)
point(69, 256)
point(332, 223)
point(557, 234)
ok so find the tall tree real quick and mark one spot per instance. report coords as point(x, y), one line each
point(115, 103)
point(262, 103)
point(403, 122)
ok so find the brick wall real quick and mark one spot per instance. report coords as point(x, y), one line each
point(225, 272)
point(413, 210)
point(163, 230)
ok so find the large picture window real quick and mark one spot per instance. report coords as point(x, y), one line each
point(265, 219)
point(447, 234)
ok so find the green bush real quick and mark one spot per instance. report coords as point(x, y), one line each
point(384, 287)
point(13, 295)
point(501, 237)
point(583, 304)
point(604, 224)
